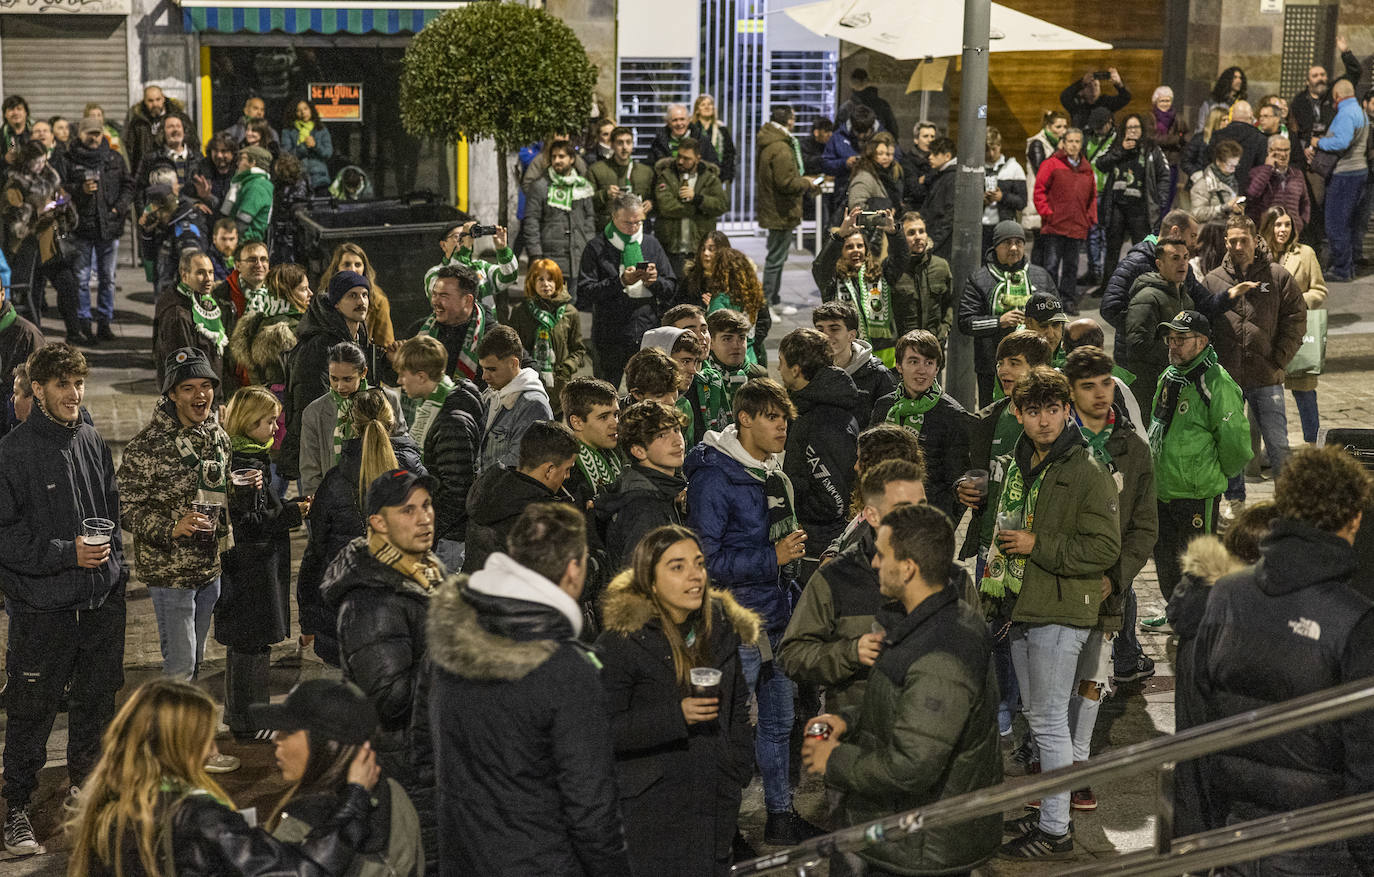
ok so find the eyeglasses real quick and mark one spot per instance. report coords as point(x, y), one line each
point(1179, 340)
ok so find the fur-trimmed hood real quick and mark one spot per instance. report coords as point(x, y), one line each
point(624, 612)
point(484, 637)
point(260, 344)
point(1207, 560)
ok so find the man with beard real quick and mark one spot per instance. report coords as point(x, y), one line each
point(690, 198)
point(188, 315)
point(102, 189)
point(1312, 108)
point(216, 171)
point(620, 173)
point(926, 728)
point(459, 321)
point(146, 120)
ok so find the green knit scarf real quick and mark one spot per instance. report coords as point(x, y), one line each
point(631, 253)
point(206, 315)
point(343, 418)
point(1004, 573)
point(565, 189)
point(911, 413)
point(543, 337)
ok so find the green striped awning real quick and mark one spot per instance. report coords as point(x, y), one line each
point(211, 19)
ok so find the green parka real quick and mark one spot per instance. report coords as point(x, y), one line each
point(927, 730)
point(1077, 533)
point(923, 296)
point(249, 203)
point(638, 178)
point(1134, 475)
point(1208, 440)
point(681, 225)
point(778, 181)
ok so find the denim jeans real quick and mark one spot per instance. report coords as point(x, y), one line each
point(1094, 665)
point(779, 248)
point(1266, 406)
point(1306, 401)
point(1362, 215)
point(100, 256)
point(1343, 196)
point(1046, 660)
point(183, 622)
point(1009, 705)
point(1061, 261)
point(775, 692)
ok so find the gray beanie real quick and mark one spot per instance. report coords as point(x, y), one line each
point(1006, 230)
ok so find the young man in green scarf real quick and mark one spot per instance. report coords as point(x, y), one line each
point(447, 427)
point(591, 409)
point(188, 315)
point(1058, 532)
point(725, 370)
point(921, 406)
point(559, 216)
point(690, 198)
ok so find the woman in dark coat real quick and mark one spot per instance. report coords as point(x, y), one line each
point(254, 607)
point(336, 509)
point(682, 761)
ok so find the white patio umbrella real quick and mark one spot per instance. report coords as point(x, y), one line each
point(932, 28)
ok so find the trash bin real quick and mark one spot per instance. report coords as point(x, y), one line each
point(400, 236)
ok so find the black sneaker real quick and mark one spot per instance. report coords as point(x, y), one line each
point(103, 332)
point(244, 738)
point(1025, 824)
point(19, 837)
point(741, 850)
point(1038, 845)
point(1024, 754)
point(788, 829)
point(1144, 668)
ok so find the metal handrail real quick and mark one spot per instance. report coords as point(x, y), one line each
point(1259, 724)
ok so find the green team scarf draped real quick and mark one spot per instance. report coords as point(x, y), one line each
point(1004, 573)
point(467, 356)
point(796, 148)
point(428, 411)
point(564, 190)
point(874, 306)
point(1011, 291)
point(1097, 441)
point(709, 391)
point(599, 467)
point(1171, 385)
point(782, 513)
point(206, 315)
point(343, 418)
point(631, 253)
point(7, 316)
point(266, 303)
point(684, 404)
point(543, 338)
point(911, 413)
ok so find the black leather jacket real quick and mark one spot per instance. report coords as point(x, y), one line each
point(212, 840)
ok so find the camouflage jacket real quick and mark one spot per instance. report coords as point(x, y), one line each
point(165, 468)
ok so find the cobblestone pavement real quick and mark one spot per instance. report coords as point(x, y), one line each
point(121, 396)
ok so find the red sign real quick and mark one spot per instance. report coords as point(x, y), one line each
point(337, 101)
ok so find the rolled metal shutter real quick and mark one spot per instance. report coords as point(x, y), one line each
point(59, 63)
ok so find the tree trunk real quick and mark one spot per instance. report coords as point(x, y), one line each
point(503, 185)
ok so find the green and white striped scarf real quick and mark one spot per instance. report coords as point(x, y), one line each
point(565, 189)
point(599, 467)
point(343, 418)
point(429, 409)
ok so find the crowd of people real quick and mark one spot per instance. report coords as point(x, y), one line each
point(574, 615)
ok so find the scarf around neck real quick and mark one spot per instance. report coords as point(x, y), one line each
point(1164, 121)
point(543, 337)
point(427, 572)
point(429, 409)
point(599, 467)
point(565, 189)
point(7, 316)
point(1171, 385)
point(242, 444)
point(343, 418)
point(467, 354)
point(206, 315)
point(1004, 573)
point(911, 413)
point(796, 147)
point(782, 515)
point(266, 303)
point(1012, 289)
point(303, 128)
point(873, 304)
point(629, 245)
point(1097, 441)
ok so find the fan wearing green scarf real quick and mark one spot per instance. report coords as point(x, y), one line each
point(591, 408)
point(922, 407)
point(560, 217)
point(188, 315)
point(550, 327)
point(847, 270)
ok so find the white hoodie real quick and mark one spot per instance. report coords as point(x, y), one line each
point(525, 381)
point(860, 353)
point(727, 442)
point(503, 577)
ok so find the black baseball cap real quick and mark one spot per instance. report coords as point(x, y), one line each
point(1188, 321)
point(1045, 307)
point(392, 488)
point(327, 708)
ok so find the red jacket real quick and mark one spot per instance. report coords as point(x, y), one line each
point(1065, 196)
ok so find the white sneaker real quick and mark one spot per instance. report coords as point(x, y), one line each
point(789, 310)
point(19, 837)
point(221, 763)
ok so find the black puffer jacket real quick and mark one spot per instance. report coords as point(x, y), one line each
point(51, 478)
point(632, 505)
point(100, 216)
point(254, 606)
point(1317, 633)
point(381, 623)
point(522, 736)
point(335, 520)
point(822, 446)
point(976, 311)
point(945, 443)
point(450, 454)
point(211, 840)
point(307, 371)
point(679, 784)
point(497, 498)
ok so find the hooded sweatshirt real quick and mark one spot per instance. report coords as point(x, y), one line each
point(504, 578)
point(822, 446)
point(869, 375)
point(509, 412)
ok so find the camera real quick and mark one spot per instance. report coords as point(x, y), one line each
point(481, 231)
point(871, 220)
point(1102, 74)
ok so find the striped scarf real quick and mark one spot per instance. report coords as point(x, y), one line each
point(1171, 385)
point(467, 356)
point(543, 336)
point(874, 306)
point(428, 412)
point(599, 467)
point(565, 189)
point(343, 418)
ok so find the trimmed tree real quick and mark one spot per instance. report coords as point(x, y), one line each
point(501, 71)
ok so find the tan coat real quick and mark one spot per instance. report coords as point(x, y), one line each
point(1301, 261)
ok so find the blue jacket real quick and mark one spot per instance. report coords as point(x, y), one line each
point(728, 509)
point(315, 159)
point(1349, 119)
point(843, 144)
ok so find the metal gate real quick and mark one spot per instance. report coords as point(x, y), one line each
point(733, 70)
point(61, 62)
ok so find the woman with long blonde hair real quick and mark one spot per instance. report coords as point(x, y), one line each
point(705, 126)
point(336, 512)
point(348, 256)
point(149, 807)
point(682, 742)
